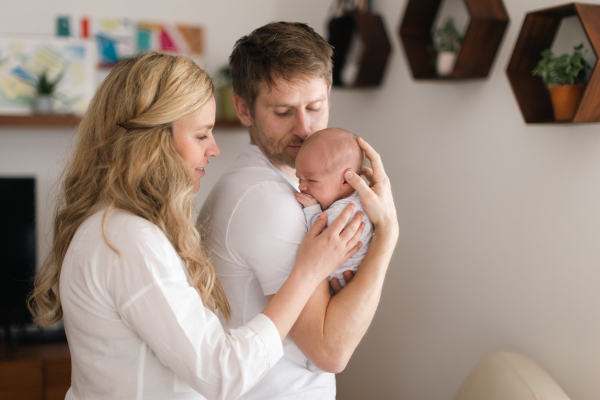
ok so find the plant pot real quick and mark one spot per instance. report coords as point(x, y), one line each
point(565, 100)
point(227, 110)
point(42, 104)
point(445, 63)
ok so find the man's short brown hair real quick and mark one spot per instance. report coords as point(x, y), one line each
point(287, 50)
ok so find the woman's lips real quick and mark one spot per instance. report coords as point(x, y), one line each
point(200, 171)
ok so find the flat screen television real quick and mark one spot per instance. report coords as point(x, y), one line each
point(17, 248)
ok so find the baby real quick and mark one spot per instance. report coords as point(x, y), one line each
point(320, 165)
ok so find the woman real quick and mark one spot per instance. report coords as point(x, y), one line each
point(137, 293)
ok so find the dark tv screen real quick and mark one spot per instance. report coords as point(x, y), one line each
point(17, 248)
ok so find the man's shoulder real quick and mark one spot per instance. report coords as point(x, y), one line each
point(252, 179)
point(251, 189)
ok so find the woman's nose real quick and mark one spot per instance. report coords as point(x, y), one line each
point(213, 150)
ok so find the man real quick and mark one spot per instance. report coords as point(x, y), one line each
point(253, 225)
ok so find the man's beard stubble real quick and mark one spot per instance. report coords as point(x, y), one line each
point(269, 146)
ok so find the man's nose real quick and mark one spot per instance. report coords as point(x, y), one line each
point(302, 128)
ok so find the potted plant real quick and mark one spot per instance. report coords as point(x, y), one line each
point(225, 88)
point(447, 41)
point(565, 77)
point(45, 88)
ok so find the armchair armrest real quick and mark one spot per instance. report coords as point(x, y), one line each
point(507, 375)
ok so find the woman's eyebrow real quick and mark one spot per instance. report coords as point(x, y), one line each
point(204, 127)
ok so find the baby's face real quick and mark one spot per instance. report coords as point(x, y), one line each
point(315, 179)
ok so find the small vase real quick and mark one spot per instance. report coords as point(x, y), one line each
point(42, 104)
point(445, 63)
point(565, 100)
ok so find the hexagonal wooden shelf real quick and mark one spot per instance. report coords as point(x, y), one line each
point(538, 32)
point(488, 22)
point(376, 47)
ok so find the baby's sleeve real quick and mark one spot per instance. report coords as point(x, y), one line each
point(312, 213)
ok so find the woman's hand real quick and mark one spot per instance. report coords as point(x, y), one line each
point(321, 252)
point(376, 198)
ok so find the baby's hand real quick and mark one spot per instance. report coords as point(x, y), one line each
point(306, 199)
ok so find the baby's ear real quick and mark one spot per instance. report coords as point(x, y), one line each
point(345, 184)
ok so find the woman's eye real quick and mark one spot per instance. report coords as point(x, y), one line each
point(314, 109)
point(201, 137)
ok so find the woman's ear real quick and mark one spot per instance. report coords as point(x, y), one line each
point(242, 109)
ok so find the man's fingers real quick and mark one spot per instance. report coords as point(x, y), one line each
point(373, 156)
point(358, 184)
point(335, 285)
point(348, 275)
point(367, 173)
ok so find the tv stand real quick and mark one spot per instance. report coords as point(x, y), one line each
point(35, 371)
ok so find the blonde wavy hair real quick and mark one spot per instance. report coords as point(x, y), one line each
point(125, 158)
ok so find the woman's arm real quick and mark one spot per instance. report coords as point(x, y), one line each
point(151, 294)
point(320, 253)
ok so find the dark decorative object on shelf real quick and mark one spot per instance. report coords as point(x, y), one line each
point(488, 22)
point(538, 32)
point(362, 47)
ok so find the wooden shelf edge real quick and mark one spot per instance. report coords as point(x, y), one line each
point(49, 120)
point(71, 121)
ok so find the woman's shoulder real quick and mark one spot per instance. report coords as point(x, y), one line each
point(124, 230)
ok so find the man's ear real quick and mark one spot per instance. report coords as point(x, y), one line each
point(242, 109)
point(345, 184)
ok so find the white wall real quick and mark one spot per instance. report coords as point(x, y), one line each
point(500, 220)
point(500, 228)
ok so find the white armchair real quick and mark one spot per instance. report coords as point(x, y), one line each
point(504, 375)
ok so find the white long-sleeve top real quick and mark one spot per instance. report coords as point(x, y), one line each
point(138, 330)
point(313, 212)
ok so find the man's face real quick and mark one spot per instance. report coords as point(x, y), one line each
point(287, 114)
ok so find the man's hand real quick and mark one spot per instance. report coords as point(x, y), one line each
point(335, 283)
point(306, 199)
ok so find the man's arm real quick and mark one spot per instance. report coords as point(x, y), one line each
point(330, 328)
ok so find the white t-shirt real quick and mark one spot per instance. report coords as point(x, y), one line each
point(138, 330)
point(254, 226)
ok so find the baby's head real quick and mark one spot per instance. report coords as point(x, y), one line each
point(322, 161)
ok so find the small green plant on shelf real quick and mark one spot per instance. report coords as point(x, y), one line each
point(45, 90)
point(226, 110)
point(45, 85)
point(447, 41)
point(565, 76)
